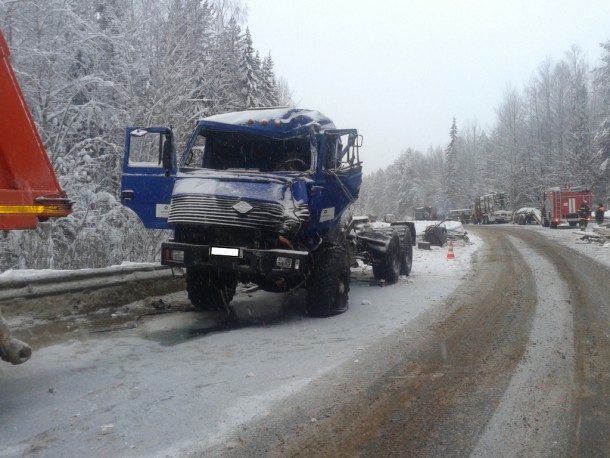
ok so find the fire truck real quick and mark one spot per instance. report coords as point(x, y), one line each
point(29, 190)
point(560, 205)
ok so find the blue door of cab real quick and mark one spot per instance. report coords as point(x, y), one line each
point(149, 172)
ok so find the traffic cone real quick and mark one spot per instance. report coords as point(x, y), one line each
point(450, 254)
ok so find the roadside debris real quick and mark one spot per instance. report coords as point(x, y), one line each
point(600, 235)
point(435, 235)
point(12, 350)
point(423, 245)
point(438, 234)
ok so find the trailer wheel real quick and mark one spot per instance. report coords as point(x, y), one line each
point(328, 285)
point(208, 290)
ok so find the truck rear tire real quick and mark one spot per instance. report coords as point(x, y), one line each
point(210, 290)
point(406, 252)
point(390, 269)
point(328, 285)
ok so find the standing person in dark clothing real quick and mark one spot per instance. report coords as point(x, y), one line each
point(584, 212)
point(599, 214)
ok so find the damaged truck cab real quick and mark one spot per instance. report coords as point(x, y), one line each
point(260, 196)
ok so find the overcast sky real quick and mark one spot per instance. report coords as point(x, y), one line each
point(399, 70)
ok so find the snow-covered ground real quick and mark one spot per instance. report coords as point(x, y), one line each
point(262, 362)
point(170, 367)
point(573, 238)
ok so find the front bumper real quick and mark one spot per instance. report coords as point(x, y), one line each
point(271, 263)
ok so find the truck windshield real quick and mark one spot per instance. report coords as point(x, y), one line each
point(221, 151)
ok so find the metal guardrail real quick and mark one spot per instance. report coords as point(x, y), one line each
point(60, 293)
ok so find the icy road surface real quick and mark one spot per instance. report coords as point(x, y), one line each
point(504, 349)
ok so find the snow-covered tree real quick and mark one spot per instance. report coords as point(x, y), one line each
point(90, 68)
point(284, 93)
point(451, 168)
point(250, 75)
point(579, 157)
point(602, 133)
point(269, 88)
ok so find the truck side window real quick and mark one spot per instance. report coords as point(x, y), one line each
point(195, 155)
point(339, 153)
point(331, 155)
point(145, 149)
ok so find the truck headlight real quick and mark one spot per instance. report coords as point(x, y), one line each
point(177, 255)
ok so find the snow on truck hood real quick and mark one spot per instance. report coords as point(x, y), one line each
point(263, 187)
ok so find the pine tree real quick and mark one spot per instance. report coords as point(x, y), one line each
point(249, 73)
point(224, 85)
point(579, 157)
point(451, 187)
point(269, 89)
point(602, 133)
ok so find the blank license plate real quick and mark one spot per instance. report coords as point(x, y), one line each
point(219, 251)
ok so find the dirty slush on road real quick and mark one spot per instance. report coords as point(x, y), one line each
point(432, 390)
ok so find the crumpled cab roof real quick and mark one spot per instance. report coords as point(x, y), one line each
point(273, 122)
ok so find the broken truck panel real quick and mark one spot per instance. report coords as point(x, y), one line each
point(29, 189)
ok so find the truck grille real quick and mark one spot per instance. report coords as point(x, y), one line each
point(219, 211)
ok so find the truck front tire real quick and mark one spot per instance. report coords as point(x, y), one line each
point(211, 290)
point(328, 285)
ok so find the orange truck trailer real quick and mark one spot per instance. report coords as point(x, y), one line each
point(29, 190)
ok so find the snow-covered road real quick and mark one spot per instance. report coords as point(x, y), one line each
point(176, 374)
point(178, 384)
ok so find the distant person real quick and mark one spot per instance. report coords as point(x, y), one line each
point(584, 212)
point(599, 214)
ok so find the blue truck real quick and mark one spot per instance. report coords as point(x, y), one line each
point(261, 196)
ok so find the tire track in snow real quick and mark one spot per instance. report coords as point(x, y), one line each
point(534, 414)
